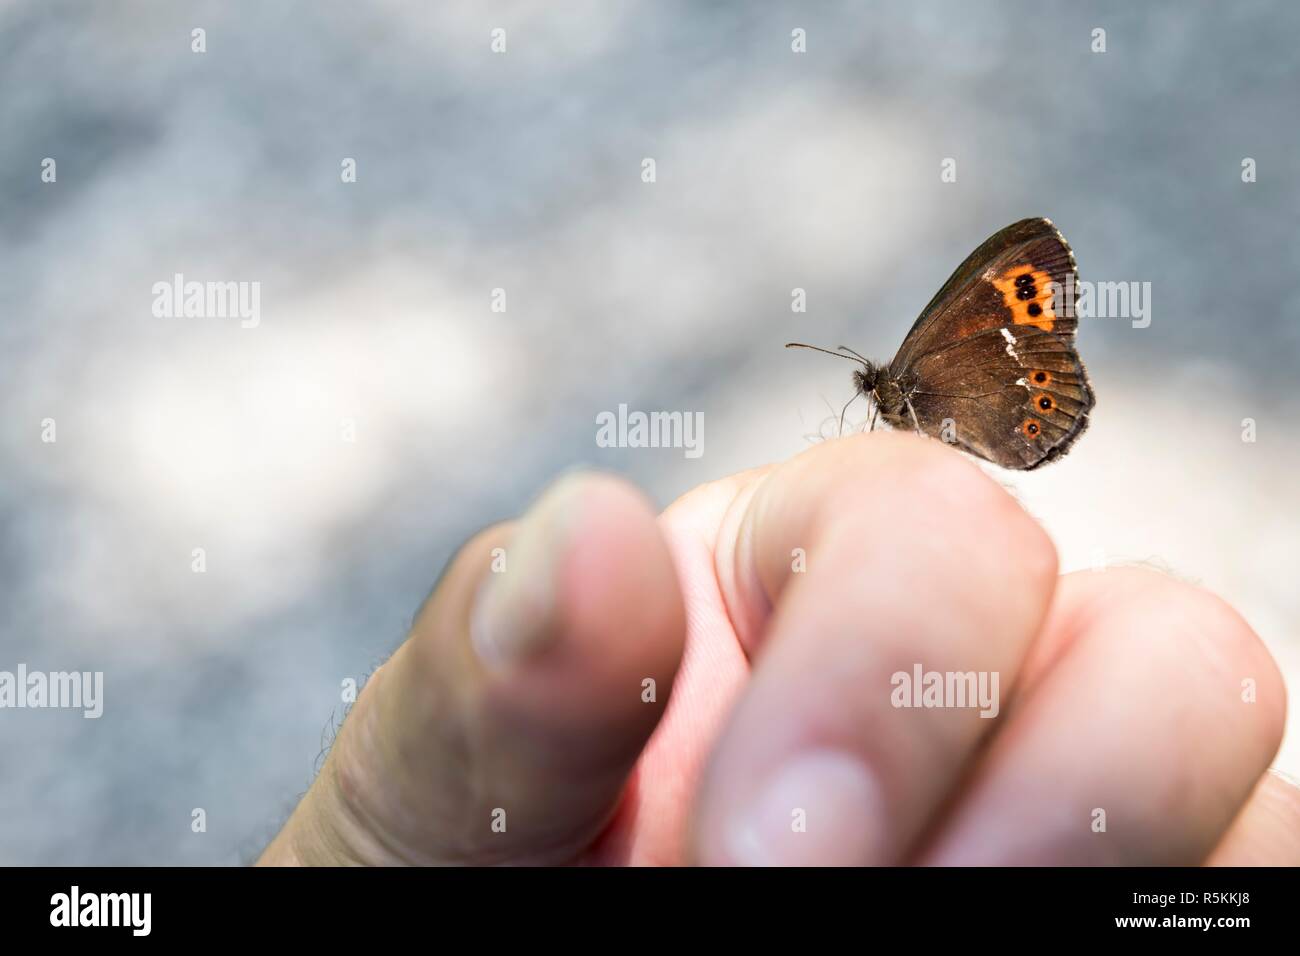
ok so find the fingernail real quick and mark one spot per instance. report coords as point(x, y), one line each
point(820, 808)
point(514, 609)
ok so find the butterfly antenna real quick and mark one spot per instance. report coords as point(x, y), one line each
point(817, 348)
point(845, 348)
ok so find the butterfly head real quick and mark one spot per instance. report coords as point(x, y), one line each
point(867, 377)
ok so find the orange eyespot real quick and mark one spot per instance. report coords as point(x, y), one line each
point(1027, 293)
point(1030, 429)
point(1042, 378)
point(1044, 401)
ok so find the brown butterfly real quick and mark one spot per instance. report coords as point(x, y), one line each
point(990, 365)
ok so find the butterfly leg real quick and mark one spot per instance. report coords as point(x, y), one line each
point(914, 419)
point(845, 409)
point(871, 422)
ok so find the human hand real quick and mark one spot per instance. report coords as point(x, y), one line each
point(516, 724)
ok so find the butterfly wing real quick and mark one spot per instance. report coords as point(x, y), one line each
point(990, 365)
point(1018, 397)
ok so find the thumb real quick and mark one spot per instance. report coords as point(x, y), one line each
point(504, 728)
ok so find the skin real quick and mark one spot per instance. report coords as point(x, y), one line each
point(522, 690)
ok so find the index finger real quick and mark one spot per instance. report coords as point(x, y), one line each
point(855, 574)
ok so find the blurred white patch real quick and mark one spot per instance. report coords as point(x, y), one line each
point(259, 446)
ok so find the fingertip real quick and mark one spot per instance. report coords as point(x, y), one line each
point(877, 491)
point(1185, 622)
point(1206, 628)
point(593, 689)
point(620, 572)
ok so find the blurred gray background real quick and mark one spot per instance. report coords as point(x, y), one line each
point(522, 171)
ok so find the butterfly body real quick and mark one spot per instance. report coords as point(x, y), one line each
point(890, 395)
point(990, 364)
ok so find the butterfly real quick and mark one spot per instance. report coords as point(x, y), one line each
point(990, 365)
